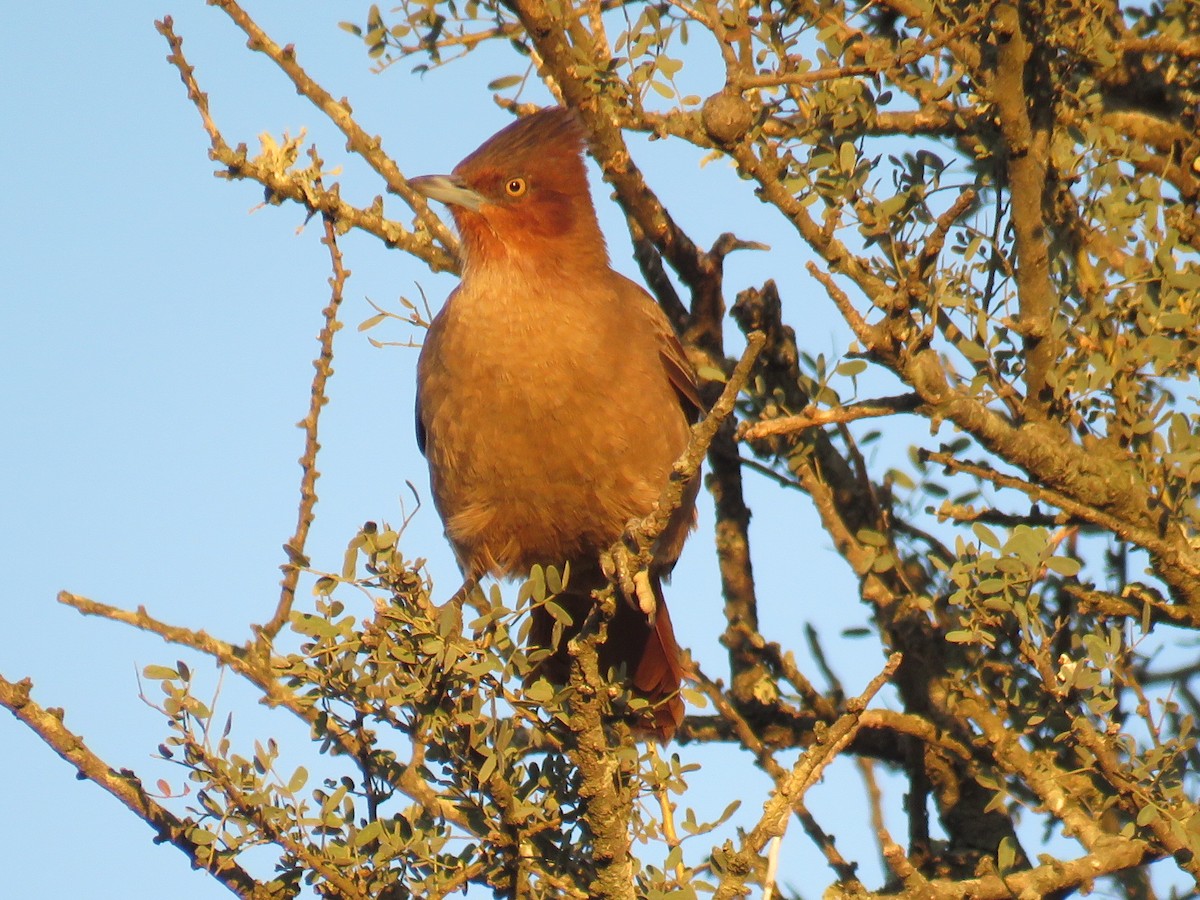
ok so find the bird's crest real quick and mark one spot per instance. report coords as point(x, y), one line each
point(548, 134)
point(533, 189)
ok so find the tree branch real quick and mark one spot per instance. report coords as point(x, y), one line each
point(323, 364)
point(1027, 157)
point(127, 788)
point(297, 186)
point(790, 789)
point(813, 417)
point(339, 112)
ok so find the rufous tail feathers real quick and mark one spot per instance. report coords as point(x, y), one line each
point(648, 651)
point(660, 672)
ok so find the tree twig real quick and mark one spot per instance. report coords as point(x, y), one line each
point(323, 364)
point(812, 417)
point(127, 788)
point(297, 186)
point(370, 148)
point(791, 788)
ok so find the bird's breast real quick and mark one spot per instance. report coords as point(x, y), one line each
point(548, 425)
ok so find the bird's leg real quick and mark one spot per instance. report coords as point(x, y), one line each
point(463, 594)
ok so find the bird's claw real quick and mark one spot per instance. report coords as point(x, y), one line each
point(646, 600)
point(621, 567)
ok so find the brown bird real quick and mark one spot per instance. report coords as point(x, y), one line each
point(553, 396)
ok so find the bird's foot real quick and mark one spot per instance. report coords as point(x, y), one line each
point(625, 570)
point(646, 600)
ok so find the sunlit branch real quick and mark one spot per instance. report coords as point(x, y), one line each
point(813, 417)
point(339, 112)
point(127, 788)
point(323, 364)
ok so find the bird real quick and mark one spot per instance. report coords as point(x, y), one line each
point(553, 398)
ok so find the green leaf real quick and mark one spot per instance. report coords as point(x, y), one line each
point(541, 691)
point(729, 811)
point(668, 66)
point(371, 321)
point(560, 615)
point(488, 767)
point(986, 535)
point(507, 81)
point(1006, 856)
point(847, 156)
point(160, 673)
point(1063, 565)
point(871, 538)
point(537, 583)
point(298, 780)
point(350, 561)
point(368, 833)
point(972, 351)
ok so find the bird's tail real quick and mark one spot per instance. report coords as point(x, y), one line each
point(660, 671)
point(647, 651)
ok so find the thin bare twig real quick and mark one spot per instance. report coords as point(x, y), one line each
point(323, 364)
point(813, 417)
point(296, 185)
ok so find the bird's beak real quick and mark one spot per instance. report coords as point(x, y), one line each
point(448, 190)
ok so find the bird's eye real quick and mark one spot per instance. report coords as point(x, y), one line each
point(515, 187)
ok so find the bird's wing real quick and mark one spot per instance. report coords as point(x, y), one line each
point(681, 374)
point(428, 346)
point(420, 425)
point(670, 353)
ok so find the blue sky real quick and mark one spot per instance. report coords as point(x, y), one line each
point(158, 333)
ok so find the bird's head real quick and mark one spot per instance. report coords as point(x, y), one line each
point(523, 195)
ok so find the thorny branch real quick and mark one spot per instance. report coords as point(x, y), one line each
point(812, 417)
point(323, 365)
point(297, 186)
point(688, 465)
point(790, 789)
point(339, 112)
